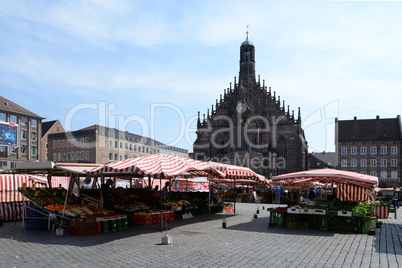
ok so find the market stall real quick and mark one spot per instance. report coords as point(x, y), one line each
point(55, 207)
point(351, 209)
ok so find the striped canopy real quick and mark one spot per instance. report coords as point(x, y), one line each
point(157, 166)
point(232, 172)
point(328, 176)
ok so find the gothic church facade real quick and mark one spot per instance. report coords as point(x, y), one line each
point(249, 126)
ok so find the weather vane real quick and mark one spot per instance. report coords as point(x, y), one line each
point(247, 30)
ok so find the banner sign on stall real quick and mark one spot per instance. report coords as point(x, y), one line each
point(189, 186)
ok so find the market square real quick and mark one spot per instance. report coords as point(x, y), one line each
point(246, 242)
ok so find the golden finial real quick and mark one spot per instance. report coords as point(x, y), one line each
point(247, 30)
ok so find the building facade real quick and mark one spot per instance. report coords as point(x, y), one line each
point(370, 146)
point(48, 127)
point(250, 126)
point(20, 132)
point(99, 144)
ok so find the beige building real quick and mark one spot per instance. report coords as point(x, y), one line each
point(370, 146)
point(99, 144)
point(49, 127)
point(20, 132)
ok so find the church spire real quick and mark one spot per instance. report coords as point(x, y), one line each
point(247, 63)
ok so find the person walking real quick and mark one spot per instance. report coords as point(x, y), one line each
point(395, 198)
point(278, 193)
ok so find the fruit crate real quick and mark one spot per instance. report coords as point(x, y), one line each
point(168, 216)
point(122, 223)
point(302, 225)
point(82, 223)
point(142, 219)
point(36, 224)
point(291, 225)
point(82, 231)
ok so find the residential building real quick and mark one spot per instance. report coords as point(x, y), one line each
point(99, 144)
point(250, 126)
point(20, 132)
point(370, 146)
point(48, 127)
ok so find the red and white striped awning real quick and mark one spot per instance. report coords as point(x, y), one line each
point(9, 185)
point(353, 193)
point(328, 176)
point(157, 166)
point(232, 172)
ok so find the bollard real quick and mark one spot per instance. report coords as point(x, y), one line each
point(255, 216)
point(224, 223)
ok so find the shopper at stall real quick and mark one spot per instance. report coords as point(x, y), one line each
point(278, 193)
point(394, 200)
point(107, 195)
point(155, 195)
point(311, 194)
point(293, 197)
point(165, 190)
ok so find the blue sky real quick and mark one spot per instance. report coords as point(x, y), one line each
point(148, 67)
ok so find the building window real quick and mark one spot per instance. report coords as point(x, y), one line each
point(131, 147)
point(363, 172)
point(363, 163)
point(373, 162)
point(383, 175)
point(125, 156)
point(82, 140)
point(13, 119)
point(68, 143)
point(383, 150)
point(46, 156)
point(394, 149)
point(147, 150)
point(110, 144)
point(121, 145)
point(34, 136)
point(34, 122)
point(111, 156)
point(34, 151)
point(121, 157)
point(139, 149)
point(3, 117)
point(135, 148)
point(344, 151)
point(24, 134)
point(143, 149)
point(24, 149)
point(353, 151)
point(86, 140)
point(373, 150)
point(77, 156)
point(63, 143)
point(67, 156)
point(116, 144)
point(59, 144)
point(63, 157)
point(394, 162)
point(363, 150)
point(86, 155)
point(82, 155)
point(24, 120)
point(72, 156)
point(353, 163)
point(126, 146)
point(344, 163)
point(116, 157)
point(54, 157)
point(394, 175)
point(373, 173)
point(3, 164)
point(383, 162)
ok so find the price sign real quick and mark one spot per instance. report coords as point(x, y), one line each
point(36, 193)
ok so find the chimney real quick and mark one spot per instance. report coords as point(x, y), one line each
point(377, 117)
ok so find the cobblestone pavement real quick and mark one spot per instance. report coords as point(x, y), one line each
point(201, 242)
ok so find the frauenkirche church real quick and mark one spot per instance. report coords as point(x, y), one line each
point(251, 127)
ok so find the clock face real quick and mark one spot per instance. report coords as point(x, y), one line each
point(241, 108)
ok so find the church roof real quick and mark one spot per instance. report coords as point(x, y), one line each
point(247, 42)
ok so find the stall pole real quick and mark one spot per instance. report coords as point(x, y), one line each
point(234, 206)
